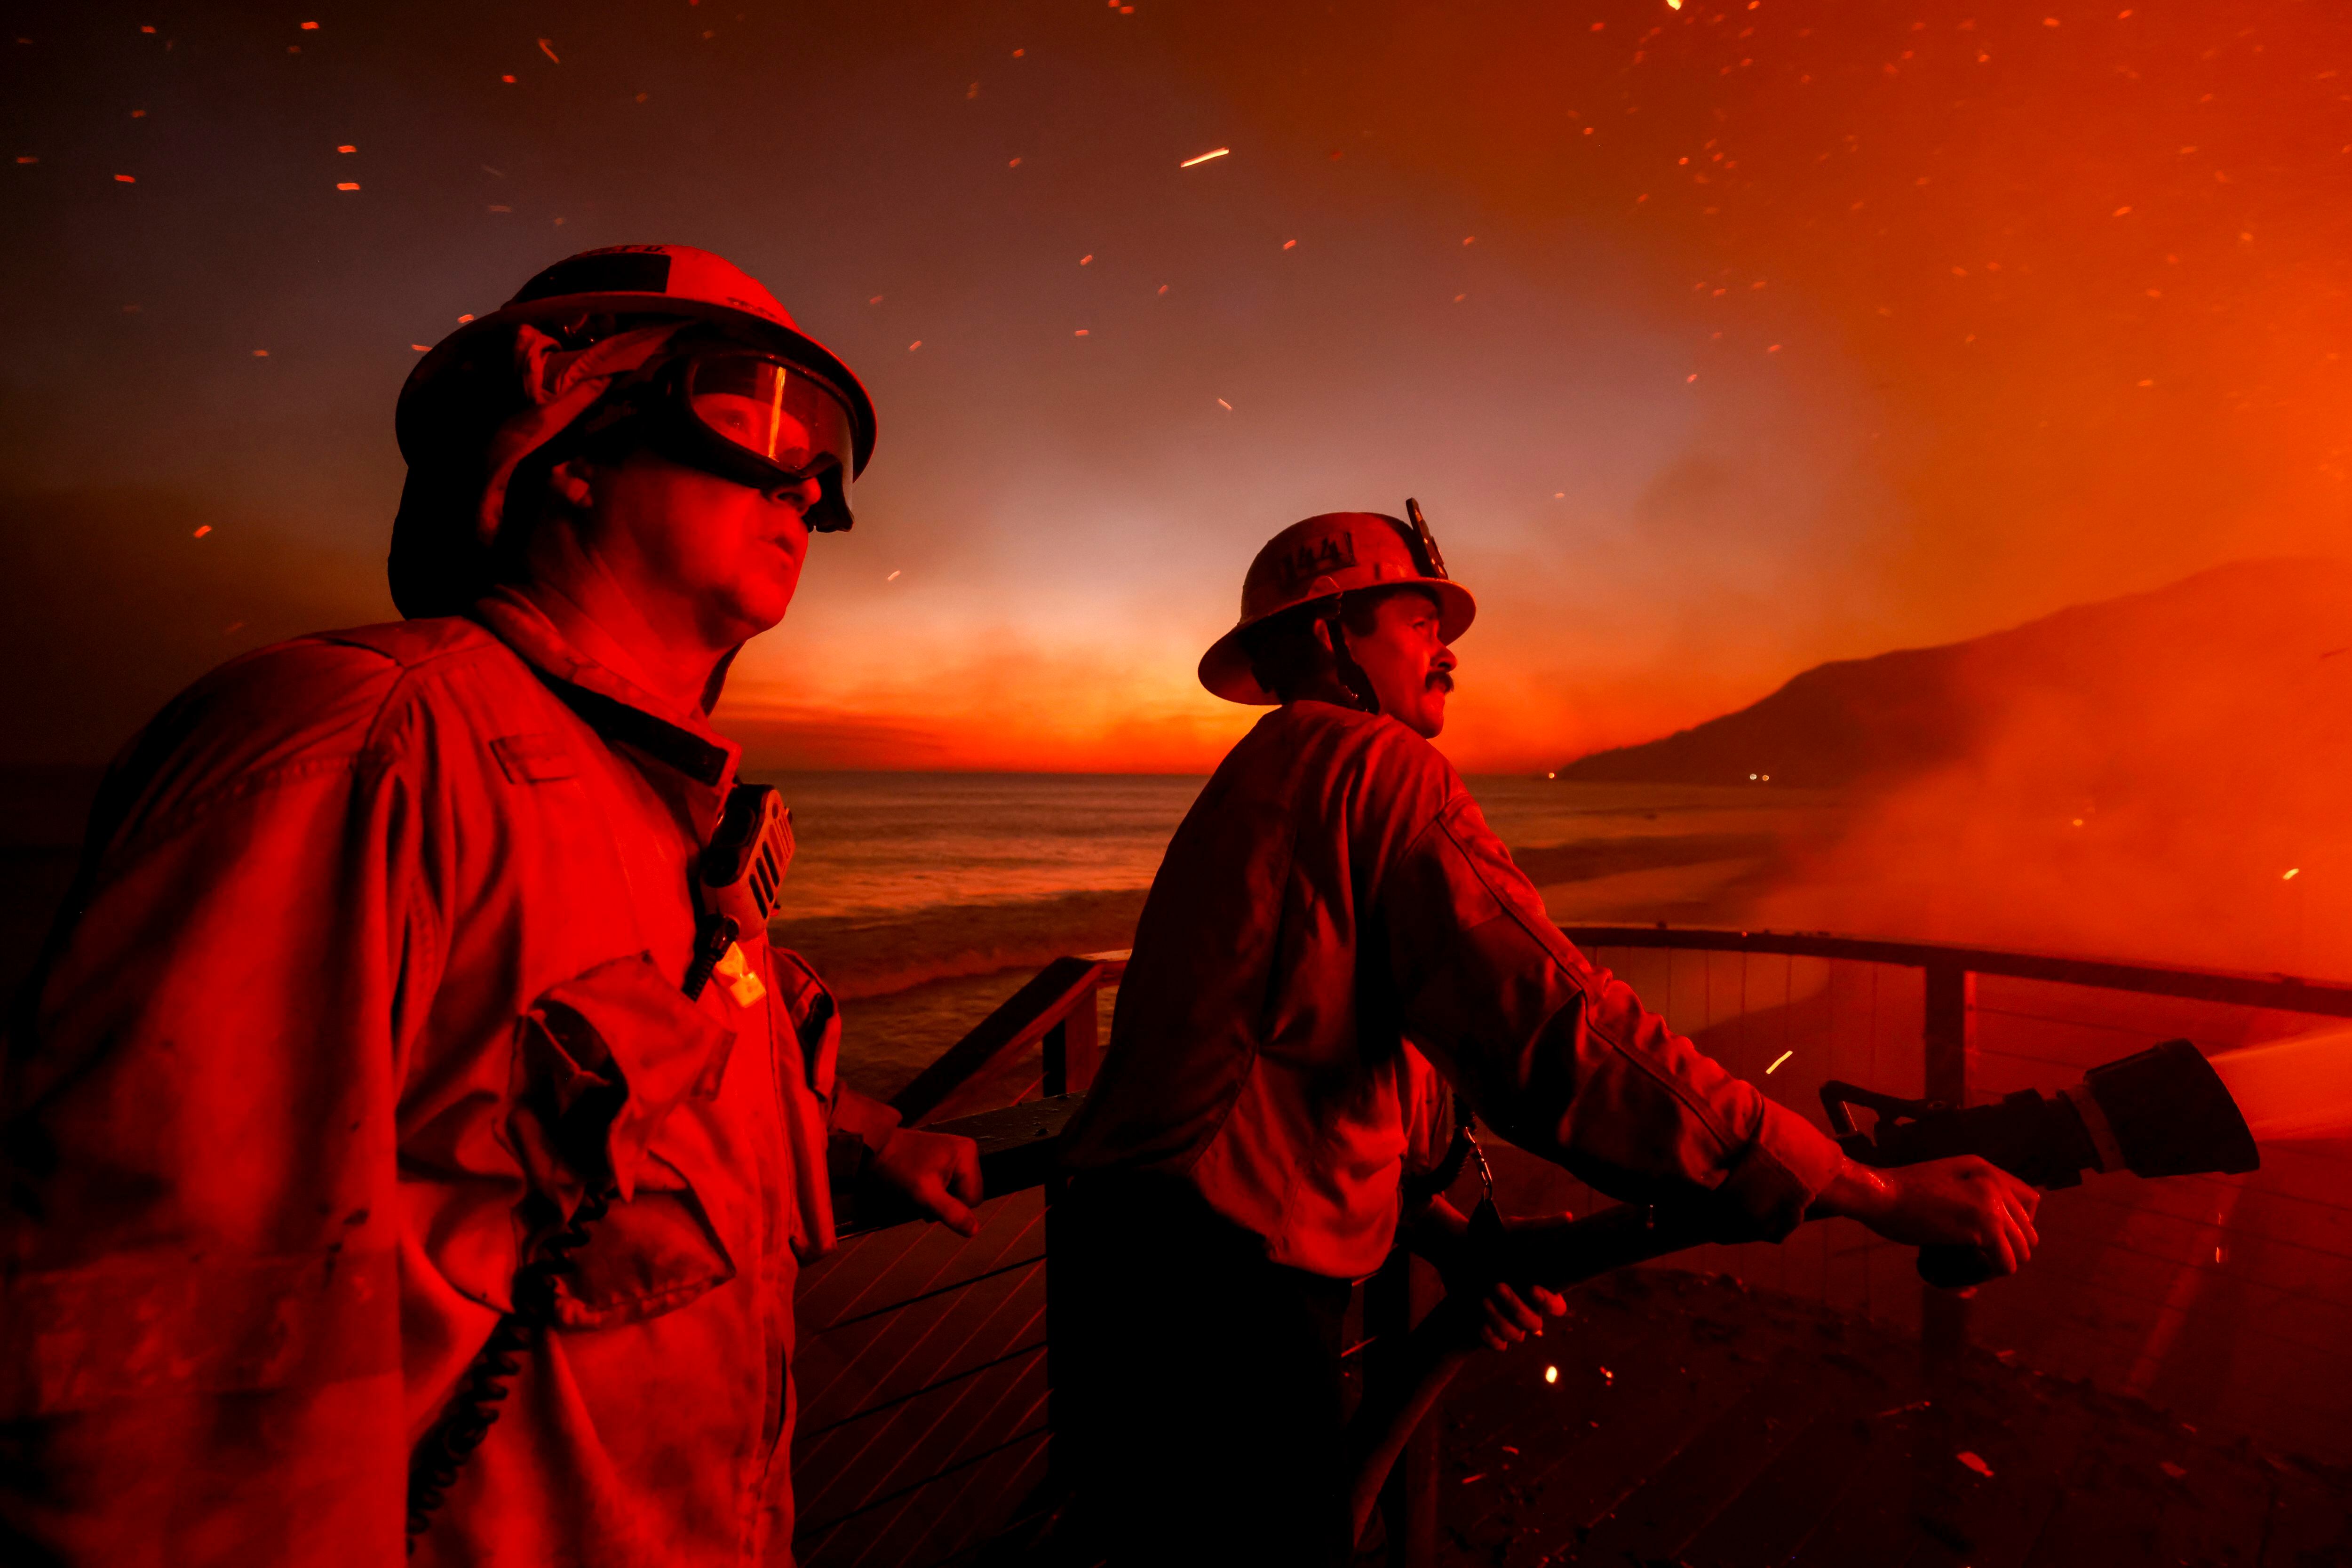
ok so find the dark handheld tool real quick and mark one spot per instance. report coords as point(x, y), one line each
point(2161, 1112)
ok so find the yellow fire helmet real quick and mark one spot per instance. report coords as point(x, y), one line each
point(1335, 552)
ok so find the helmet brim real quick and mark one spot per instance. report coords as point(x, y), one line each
point(1225, 668)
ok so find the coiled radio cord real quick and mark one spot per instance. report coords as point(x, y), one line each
point(444, 1450)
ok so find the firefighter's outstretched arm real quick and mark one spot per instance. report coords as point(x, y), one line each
point(1562, 1058)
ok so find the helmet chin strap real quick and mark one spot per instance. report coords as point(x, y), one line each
point(1351, 674)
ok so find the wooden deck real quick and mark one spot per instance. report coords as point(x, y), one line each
point(1695, 1424)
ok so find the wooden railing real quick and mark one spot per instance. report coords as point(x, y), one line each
point(874, 1314)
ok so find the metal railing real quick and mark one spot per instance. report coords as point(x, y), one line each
point(924, 1373)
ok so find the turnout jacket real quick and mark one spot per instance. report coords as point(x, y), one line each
point(359, 916)
point(1333, 894)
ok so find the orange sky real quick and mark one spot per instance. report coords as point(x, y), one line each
point(2058, 297)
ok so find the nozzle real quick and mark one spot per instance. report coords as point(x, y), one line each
point(2161, 1112)
point(2169, 1114)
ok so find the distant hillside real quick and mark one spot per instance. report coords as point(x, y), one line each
point(2245, 638)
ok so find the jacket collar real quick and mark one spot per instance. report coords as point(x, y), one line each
point(613, 705)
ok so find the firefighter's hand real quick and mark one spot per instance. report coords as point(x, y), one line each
point(1505, 1316)
point(940, 1171)
point(1960, 1202)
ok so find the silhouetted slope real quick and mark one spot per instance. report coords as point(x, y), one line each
point(2254, 629)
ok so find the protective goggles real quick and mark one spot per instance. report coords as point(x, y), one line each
point(753, 417)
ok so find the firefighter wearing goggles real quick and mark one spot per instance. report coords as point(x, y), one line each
point(408, 1054)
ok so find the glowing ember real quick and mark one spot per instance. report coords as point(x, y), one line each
point(1974, 1462)
point(1215, 152)
point(1551, 1375)
point(202, 531)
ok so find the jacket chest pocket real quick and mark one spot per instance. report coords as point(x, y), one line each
point(652, 1255)
point(607, 1060)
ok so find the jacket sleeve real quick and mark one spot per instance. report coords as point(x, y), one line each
point(201, 1360)
point(1562, 1058)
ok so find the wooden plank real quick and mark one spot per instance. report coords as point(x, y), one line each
point(890, 1357)
point(1788, 1502)
point(880, 1456)
point(1011, 1231)
point(1682, 1497)
point(887, 1533)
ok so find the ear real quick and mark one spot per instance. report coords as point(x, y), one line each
point(1323, 635)
point(572, 484)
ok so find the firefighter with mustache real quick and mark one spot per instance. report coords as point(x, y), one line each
point(1334, 929)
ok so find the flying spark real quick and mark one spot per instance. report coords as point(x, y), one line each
point(1204, 157)
point(547, 47)
point(2292, 872)
point(894, 576)
point(1229, 408)
point(1551, 1375)
point(1783, 1056)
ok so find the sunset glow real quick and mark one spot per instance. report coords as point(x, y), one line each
point(1788, 333)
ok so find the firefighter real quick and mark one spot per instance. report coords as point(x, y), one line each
point(375, 989)
point(1333, 919)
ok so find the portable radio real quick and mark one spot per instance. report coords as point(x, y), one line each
point(739, 875)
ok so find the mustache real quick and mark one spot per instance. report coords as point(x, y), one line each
point(1440, 680)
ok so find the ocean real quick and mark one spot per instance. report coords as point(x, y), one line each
point(926, 899)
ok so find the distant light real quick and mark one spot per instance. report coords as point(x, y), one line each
point(1551, 1375)
point(1204, 157)
point(2292, 872)
point(1783, 1056)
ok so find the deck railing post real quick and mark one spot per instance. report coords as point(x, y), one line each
point(1949, 1024)
point(1069, 1049)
